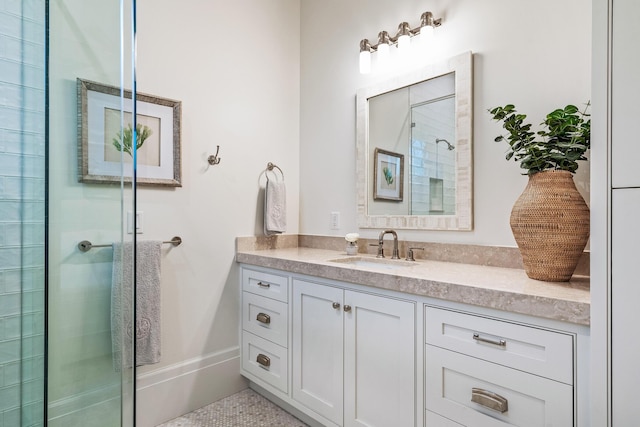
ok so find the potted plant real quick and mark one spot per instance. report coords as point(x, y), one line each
point(550, 220)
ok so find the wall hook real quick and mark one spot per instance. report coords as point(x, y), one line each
point(214, 159)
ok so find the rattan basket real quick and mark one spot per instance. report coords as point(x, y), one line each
point(550, 223)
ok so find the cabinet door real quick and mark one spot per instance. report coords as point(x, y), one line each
point(318, 348)
point(380, 368)
point(625, 108)
point(625, 294)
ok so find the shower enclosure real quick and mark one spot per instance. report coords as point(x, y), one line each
point(56, 353)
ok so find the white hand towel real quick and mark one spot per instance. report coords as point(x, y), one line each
point(275, 208)
point(147, 305)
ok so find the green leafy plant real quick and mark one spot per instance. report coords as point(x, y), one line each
point(559, 146)
point(124, 138)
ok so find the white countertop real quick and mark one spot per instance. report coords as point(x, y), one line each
point(506, 289)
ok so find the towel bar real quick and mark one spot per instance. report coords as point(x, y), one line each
point(86, 245)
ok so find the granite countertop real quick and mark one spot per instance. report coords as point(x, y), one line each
point(507, 289)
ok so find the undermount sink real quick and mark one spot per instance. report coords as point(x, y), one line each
point(375, 263)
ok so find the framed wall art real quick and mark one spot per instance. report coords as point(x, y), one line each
point(105, 135)
point(388, 173)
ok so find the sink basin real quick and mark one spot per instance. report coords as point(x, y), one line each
point(375, 263)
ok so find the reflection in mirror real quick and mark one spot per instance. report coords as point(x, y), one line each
point(425, 118)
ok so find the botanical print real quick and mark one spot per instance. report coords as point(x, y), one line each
point(148, 137)
point(389, 182)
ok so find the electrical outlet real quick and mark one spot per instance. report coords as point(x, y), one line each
point(334, 221)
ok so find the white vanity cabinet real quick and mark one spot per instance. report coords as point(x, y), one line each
point(359, 343)
point(352, 355)
point(265, 323)
point(484, 372)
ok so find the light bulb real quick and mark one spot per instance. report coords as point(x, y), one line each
point(404, 43)
point(383, 54)
point(365, 62)
point(426, 34)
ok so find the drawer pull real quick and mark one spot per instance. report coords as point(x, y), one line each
point(499, 343)
point(264, 285)
point(263, 318)
point(263, 360)
point(489, 400)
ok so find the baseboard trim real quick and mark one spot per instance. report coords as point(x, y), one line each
point(174, 390)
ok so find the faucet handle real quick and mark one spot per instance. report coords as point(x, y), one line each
point(410, 253)
point(380, 249)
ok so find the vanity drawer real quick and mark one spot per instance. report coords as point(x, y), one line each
point(537, 351)
point(452, 379)
point(265, 284)
point(265, 317)
point(434, 420)
point(265, 360)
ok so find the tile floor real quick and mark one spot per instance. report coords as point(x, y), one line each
point(246, 408)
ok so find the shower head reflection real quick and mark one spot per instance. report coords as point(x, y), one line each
point(449, 146)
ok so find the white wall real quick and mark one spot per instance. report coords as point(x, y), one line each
point(235, 67)
point(535, 55)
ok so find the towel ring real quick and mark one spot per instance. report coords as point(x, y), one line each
point(270, 167)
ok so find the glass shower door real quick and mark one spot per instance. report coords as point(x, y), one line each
point(22, 212)
point(90, 62)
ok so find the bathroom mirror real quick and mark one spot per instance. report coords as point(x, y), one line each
point(414, 149)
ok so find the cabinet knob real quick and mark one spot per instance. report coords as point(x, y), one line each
point(347, 308)
point(263, 318)
point(263, 360)
point(336, 305)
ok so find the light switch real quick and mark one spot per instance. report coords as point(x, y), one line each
point(138, 222)
point(335, 221)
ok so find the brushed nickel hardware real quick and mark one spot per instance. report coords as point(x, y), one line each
point(499, 343)
point(271, 166)
point(86, 245)
point(381, 241)
point(347, 308)
point(449, 145)
point(336, 305)
point(263, 360)
point(401, 39)
point(264, 285)
point(410, 253)
point(263, 318)
point(489, 400)
point(214, 159)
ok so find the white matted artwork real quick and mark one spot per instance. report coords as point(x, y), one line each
point(105, 135)
point(388, 171)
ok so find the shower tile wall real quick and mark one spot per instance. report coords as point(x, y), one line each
point(22, 189)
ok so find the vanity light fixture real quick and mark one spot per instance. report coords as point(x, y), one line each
point(402, 39)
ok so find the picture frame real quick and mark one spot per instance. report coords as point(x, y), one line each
point(388, 175)
point(102, 124)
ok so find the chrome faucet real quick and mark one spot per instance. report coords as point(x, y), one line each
point(395, 244)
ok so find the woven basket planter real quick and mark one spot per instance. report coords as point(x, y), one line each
point(550, 222)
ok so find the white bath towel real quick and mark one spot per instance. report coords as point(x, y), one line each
point(275, 208)
point(147, 339)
